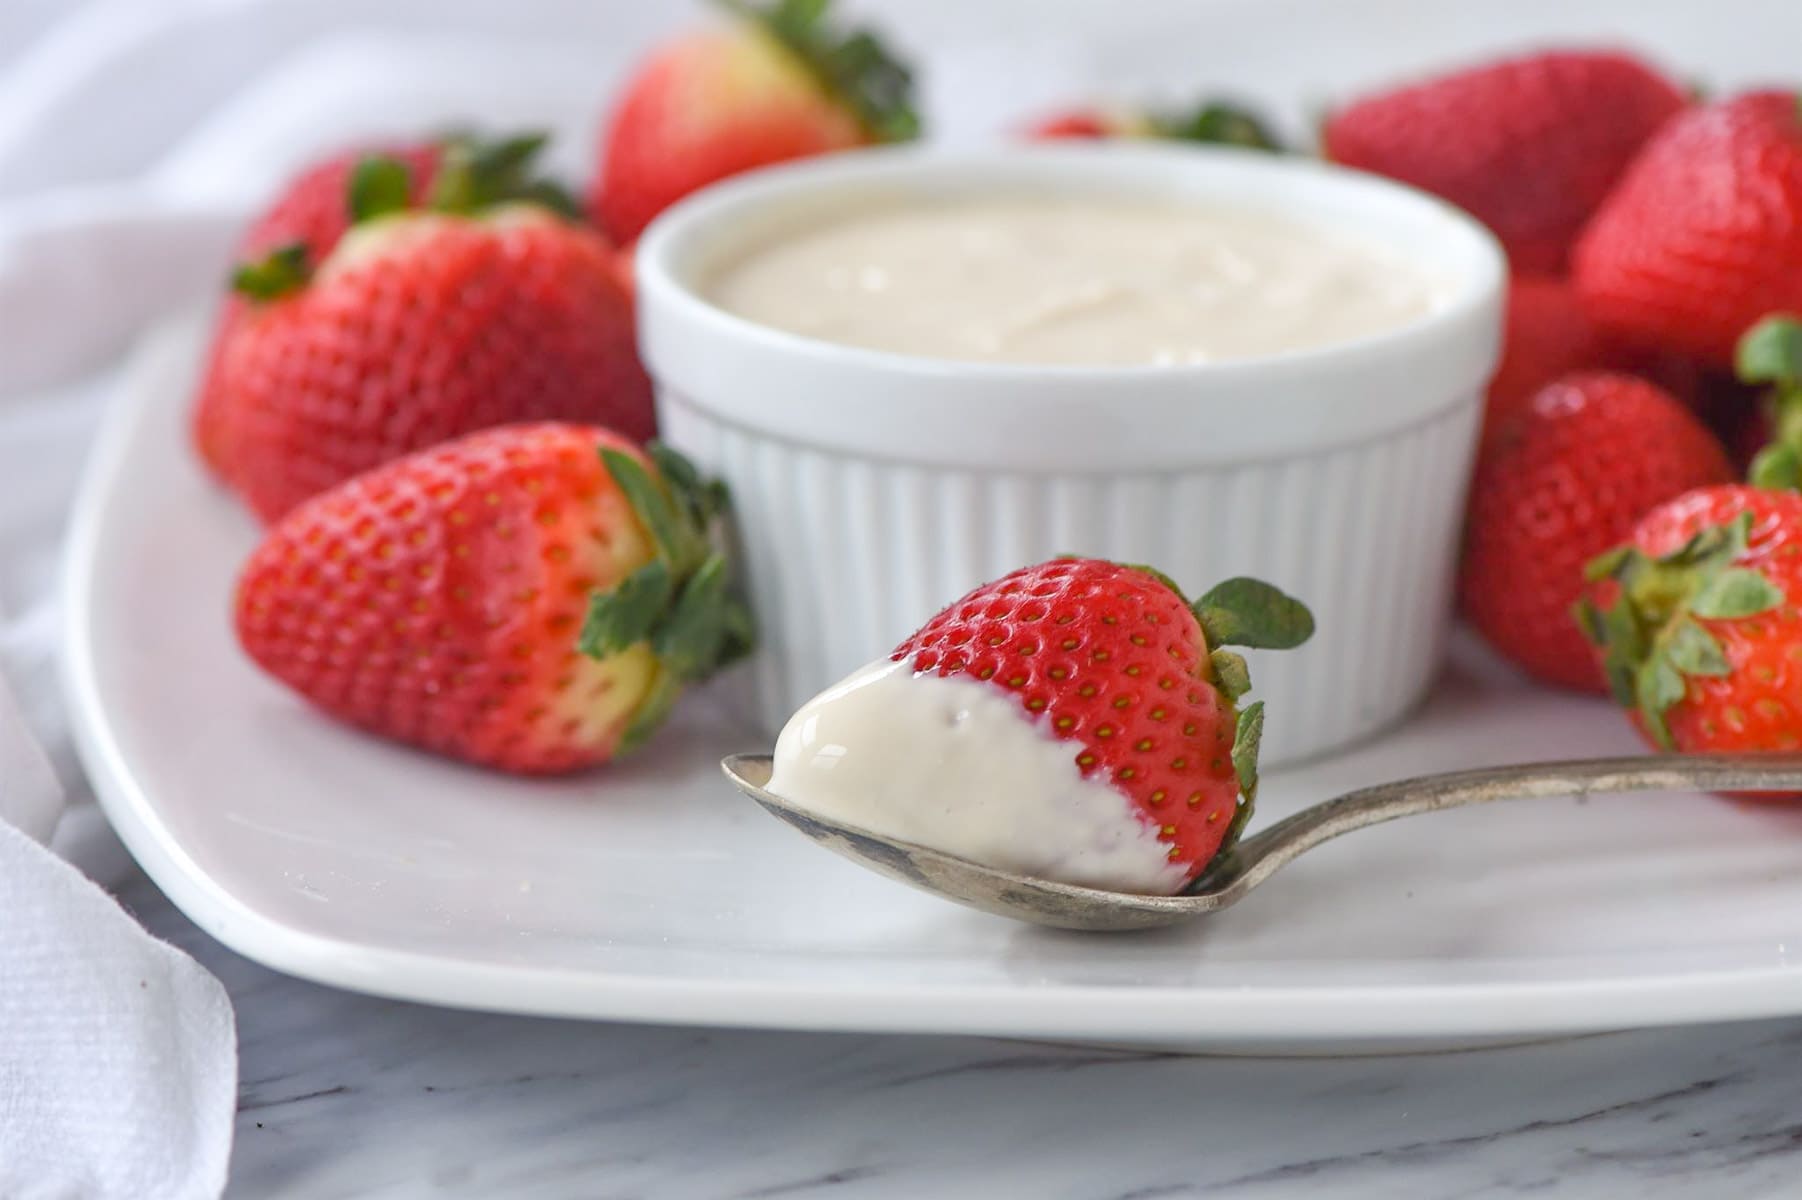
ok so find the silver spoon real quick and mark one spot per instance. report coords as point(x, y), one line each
point(1257, 858)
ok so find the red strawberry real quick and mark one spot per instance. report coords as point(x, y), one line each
point(781, 84)
point(1113, 660)
point(1085, 123)
point(1695, 621)
point(1561, 480)
point(440, 599)
point(312, 211)
point(1704, 235)
point(1549, 335)
point(1529, 146)
point(1546, 336)
point(1211, 122)
point(420, 326)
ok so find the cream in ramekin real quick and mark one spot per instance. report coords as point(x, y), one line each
point(871, 486)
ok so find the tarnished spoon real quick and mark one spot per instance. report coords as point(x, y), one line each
point(1257, 858)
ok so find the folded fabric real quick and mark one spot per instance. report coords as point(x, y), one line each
point(118, 1075)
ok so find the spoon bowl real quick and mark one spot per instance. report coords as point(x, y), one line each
point(1237, 871)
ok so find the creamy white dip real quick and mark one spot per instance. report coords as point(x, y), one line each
point(1074, 281)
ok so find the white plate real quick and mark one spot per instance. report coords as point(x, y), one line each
point(651, 892)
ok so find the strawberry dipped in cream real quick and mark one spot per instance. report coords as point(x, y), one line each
point(1077, 721)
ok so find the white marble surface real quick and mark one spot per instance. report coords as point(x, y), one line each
point(344, 1096)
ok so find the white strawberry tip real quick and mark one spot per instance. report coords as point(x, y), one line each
point(955, 765)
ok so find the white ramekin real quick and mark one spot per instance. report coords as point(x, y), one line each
point(871, 488)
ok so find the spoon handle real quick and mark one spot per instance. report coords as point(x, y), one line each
point(1258, 857)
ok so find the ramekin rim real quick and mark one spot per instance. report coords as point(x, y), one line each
point(658, 283)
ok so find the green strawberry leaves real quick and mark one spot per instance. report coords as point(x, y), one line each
point(1770, 353)
point(1248, 734)
point(854, 67)
point(1735, 592)
point(629, 612)
point(707, 628)
point(701, 499)
point(1689, 649)
point(1217, 123)
point(1245, 612)
point(379, 186)
point(1250, 612)
point(283, 270)
point(681, 603)
point(476, 174)
point(1658, 686)
point(1651, 634)
point(1778, 467)
point(677, 542)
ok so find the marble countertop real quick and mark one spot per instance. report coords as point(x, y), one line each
point(345, 1096)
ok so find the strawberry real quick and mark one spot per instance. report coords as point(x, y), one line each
point(311, 210)
point(531, 598)
point(1562, 479)
point(780, 84)
point(1704, 235)
point(489, 306)
point(1695, 622)
point(1211, 122)
point(1113, 660)
point(1548, 335)
point(1085, 124)
point(1529, 146)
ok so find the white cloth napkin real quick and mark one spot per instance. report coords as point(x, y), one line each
point(118, 1067)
